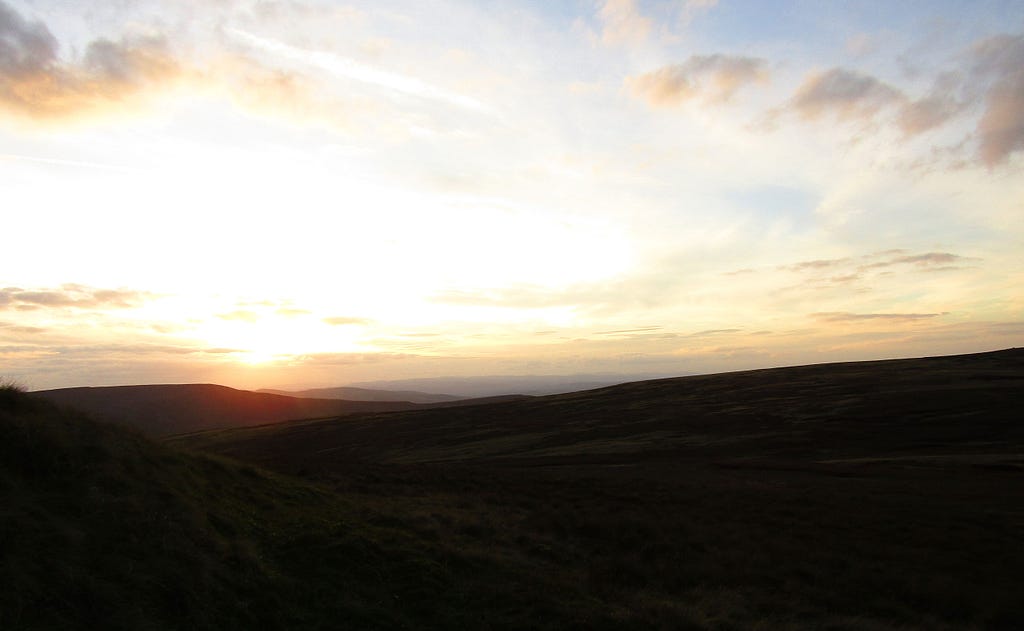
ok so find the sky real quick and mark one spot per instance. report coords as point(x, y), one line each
point(298, 193)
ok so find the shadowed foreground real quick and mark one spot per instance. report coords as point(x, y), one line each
point(876, 495)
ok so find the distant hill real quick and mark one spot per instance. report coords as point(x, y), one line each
point(160, 410)
point(912, 408)
point(365, 394)
point(498, 385)
point(871, 495)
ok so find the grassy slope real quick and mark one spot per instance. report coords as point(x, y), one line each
point(161, 410)
point(101, 528)
point(466, 518)
point(877, 495)
point(821, 414)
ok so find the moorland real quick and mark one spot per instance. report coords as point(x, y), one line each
point(864, 495)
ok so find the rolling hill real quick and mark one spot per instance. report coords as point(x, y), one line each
point(160, 410)
point(872, 495)
point(832, 415)
point(365, 394)
point(480, 386)
point(101, 528)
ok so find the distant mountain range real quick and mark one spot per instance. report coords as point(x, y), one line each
point(497, 385)
point(365, 394)
point(825, 415)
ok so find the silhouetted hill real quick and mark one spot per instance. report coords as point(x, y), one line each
point(498, 385)
point(830, 414)
point(876, 495)
point(873, 495)
point(101, 528)
point(365, 394)
point(160, 410)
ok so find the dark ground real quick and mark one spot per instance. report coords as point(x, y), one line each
point(864, 495)
point(877, 495)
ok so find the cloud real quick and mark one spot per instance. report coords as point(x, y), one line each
point(291, 312)
point(70, 295)
point(873, 261)
point(1000, 131)
point(933, 110)
point(817, 264)
point(25, 48)
point(843, 93)
point(354, 70)
point(712, 332)
point(35, 82)
point(845, 316)
point(931, 258)
point(992, 77)
point(345, 320)
point(644, 329)
point(623, 23)
point(17, 328)
point(933, 261)
point(241, 315)
point(716, 78)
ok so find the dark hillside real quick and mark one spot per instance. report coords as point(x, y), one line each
point(832, 415)
point(366, 394)
point(102, 529)
point(874, 495)
point(160, 410)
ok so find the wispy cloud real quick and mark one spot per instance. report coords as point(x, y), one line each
point(240, 315)
point(843, 93)
point(815, 265)
point(936, 108)
point(13, 327)
point(351, 69)
point(714, 332)
point(1000, 60)
point(70, 296)
point(292, 312)
point(713, 78)
point(345, 321)
point(834, 316)
point(643, 329)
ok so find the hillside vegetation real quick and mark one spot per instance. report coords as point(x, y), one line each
point(161, 410)
point(964, 408)
point(878, 495)
point(101, 528)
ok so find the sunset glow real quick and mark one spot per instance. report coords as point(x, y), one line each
point(316, 193)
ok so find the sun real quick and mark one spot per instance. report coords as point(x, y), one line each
point(258, 358)
point(261, 338)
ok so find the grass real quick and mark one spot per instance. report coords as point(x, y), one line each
point(102, 528)
point(669, 546)
point(831, 520)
